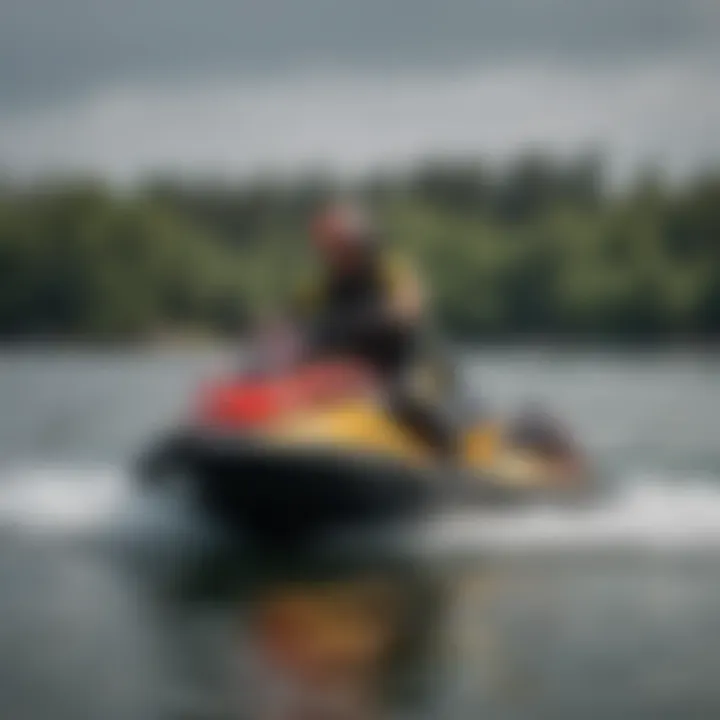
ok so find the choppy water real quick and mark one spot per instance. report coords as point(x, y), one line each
point(114, 604)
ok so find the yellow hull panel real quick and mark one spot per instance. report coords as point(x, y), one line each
point(360, 427)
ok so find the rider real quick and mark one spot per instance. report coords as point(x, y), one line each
point(368, 303)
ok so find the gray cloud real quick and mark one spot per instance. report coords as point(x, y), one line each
point(53, 48)
point(128, 86)
point(665, 114)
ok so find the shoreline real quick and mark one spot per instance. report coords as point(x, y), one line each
point(210, 344)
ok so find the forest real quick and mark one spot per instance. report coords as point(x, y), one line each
point(536, 249)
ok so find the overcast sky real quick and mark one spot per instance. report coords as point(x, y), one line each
point(123, 87)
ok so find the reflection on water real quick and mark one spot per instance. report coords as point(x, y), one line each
point(319, 640)
point(605, 635)
point(91, 629)
point(329, 648)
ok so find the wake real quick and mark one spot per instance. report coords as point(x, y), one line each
point(650, 510)
point(91, 502)
point(51, 497)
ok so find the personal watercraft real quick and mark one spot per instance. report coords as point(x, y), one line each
point(288, 452)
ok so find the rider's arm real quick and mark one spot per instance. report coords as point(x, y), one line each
point(406, 300)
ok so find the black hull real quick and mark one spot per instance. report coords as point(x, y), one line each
point(287, 495)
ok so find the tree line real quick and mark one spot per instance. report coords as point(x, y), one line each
point(535, 249)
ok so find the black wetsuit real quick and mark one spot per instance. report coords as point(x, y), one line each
point(348, 315)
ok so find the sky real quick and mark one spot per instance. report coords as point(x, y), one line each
point(125, 88)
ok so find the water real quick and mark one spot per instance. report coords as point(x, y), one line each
point(117, 605)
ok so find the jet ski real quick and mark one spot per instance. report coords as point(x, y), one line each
point(283, 453)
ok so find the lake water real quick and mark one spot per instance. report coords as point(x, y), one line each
point(114, 604)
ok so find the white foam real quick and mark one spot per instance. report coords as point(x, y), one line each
point(648, 512)
point(48, 496)
point(90, 501)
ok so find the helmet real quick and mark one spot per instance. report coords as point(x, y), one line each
point(343, 225)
